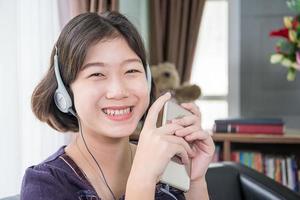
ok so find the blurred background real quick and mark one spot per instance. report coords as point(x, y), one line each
point(222, 46)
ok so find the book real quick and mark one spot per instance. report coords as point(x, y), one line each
point(281, 168)
point(258, 162)
point(295, 177)
point(283, 172)
point(298, 175)
point(278, 172)
point(270, 166)
point(291, 183)
point(249, 128)
point(235, 156)
point(257, 121)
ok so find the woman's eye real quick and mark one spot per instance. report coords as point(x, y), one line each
point(132, 71)
point(96, 75)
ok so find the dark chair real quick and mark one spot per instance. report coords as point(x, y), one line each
point(233, 181)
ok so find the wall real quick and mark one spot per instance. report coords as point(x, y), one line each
point(262, 90)
point(234, 40)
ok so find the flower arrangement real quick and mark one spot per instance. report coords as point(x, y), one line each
point(288, 48)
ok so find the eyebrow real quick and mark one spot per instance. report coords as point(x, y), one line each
point(101, 64)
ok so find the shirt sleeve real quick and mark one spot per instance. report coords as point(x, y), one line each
point(39, 183)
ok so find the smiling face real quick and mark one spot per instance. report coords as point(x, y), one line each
point(110, 92)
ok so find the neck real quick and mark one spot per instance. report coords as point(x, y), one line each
point(114, 156)
point(111, 153)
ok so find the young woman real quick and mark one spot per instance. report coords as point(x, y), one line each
point(98, 87)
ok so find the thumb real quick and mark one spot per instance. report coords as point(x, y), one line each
point(154, 110)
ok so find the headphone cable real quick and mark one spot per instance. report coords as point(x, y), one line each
point(81, 133)
point(164, 190)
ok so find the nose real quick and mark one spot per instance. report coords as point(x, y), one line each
point(117, 89)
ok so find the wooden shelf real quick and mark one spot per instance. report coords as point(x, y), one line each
point(228, 138)
point(250, 138)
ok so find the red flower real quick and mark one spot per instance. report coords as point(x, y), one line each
point(295, 23)
point(280, 33)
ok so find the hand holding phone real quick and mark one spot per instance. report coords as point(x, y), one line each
point(156, 146)
point(176, 174)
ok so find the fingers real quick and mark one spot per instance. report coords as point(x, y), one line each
point(183, 155)
point(198, 135)
point(187, 120)
point(192, 107)
point(186, 131)
point(168, 129)
point(207, 146)
point(154, 110)
point(181, 142)
point(176, 149)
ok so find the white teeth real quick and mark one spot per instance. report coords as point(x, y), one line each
point(117, 112)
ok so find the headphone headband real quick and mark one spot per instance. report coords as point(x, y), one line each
point(62, 98)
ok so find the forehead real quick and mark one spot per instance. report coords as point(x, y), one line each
point(110, 52)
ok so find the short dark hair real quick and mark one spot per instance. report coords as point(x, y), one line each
point(76, 37)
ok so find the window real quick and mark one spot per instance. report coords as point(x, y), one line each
point(210, 67)
point(30, 28)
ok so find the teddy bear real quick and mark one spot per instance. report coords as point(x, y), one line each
point(166, 78)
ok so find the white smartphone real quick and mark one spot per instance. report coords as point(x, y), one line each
point(176, 174)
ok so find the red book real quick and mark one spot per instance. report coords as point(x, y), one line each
point(256, 129)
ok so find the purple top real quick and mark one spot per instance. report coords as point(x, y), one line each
point(59, 177)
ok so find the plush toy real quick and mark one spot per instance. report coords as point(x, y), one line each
point(166, 78)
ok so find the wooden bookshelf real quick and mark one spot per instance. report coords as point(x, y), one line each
point(227, 140)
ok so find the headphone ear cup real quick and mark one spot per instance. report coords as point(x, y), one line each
point(61, 101)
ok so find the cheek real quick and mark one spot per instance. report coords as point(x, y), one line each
point(140, 85)
point(140, 89)
point(85, 98)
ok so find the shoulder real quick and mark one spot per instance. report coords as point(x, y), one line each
point(51, 179)
point(53, 166)
point(38, 182)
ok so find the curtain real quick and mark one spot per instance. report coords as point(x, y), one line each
point(29, 30)
point(71, 8)
point(174, 26)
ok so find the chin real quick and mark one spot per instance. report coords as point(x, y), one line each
point(121, 131)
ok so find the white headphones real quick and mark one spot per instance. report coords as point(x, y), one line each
point(62, 98)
